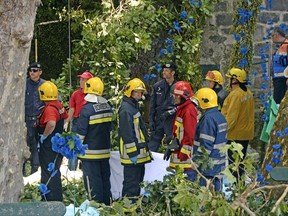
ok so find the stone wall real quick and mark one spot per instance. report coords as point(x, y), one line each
point(218, 40)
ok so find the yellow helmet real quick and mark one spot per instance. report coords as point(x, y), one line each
point(94, 86)
point(134, 84)
point(238, 74)
point(215, 76)
point(48, 91)
point(207, 98)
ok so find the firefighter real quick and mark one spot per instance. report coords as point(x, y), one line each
point(33, 107)
point(50, 122)
point(210, 136)
point(215, 81)
point(238, 109)
point(161, 101)
point(184, 127)
point(133, 135)
point(279, 63)
point(75, 105)
point(94, 126)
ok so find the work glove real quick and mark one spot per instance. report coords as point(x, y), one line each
point(172, 146)
point(42, 138)
point(167, 140)
point(167, 114)
point(167, 154)
point(134, 159)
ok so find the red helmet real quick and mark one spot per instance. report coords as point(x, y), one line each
point(183, 89)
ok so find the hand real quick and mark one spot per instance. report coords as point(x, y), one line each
point(167, 154)
point(167, 113)
point(152, 127)
point(167, 140)
point(42, 138)
point(134, 159)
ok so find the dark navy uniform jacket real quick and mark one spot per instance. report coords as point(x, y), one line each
point(132, 133)
point(94, 125)
point(33, 104)
point(161, 99)
point(211, 135)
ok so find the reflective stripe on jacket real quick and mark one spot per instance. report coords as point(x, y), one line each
point(211, 136)
point(184, 130)
point(280, 61)
point(94, 126)
point(133, 134)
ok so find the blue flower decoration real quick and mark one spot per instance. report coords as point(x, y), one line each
point(158, 67)
point(268, 167)
point(170, 31)
point(244, 50)
point(51, 167)
point(262, 7)
point(190, 20)
point(279, 134)
point(276, 160)
point(286, 131)
point(243, 63)
point(146, 77)
point(263, 86)
point(162, 52)
point(200, 3)
point(183, 14)
point(276, 146)
point(177, 27)
point(260, 177)
point(237, 37)
point(54, 173)
point(43, 189)
point(152, 76)
point(168, 41)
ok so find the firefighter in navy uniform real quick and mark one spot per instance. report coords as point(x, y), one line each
point(215, 81)
point(94, 126)
point(51, 121)
point(210, 136)
point(161, 101)
point(33, 107)
point(279, 63)
point(133, 135)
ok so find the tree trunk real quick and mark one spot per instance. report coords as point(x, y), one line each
point(17, 19)
point(279, 125)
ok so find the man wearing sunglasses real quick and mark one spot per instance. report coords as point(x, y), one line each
point(33, 107)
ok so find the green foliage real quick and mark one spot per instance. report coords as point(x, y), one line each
point(248, 29)
point(30, 194)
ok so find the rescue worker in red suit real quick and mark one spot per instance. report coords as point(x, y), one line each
point(184, 127)
point(51, 121)
point(134, 152)
point(75, 105)
point(94, 126)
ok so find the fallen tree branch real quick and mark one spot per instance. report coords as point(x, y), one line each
point(280, 200)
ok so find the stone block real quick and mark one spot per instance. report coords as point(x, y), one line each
point(224, 19)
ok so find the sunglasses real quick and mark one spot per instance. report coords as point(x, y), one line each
point(34, 70)
point(210, 75)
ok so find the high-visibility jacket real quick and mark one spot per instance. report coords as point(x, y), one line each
point(211, 136)
point(184, 128)
point(238, 109)
point(132, 133)
point(280, 61)
point(94, 126)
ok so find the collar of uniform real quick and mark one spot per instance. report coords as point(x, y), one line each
point(94, 98)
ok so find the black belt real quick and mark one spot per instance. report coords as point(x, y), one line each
point(31, 117)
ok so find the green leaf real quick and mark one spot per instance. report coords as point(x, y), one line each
point(229, 175)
